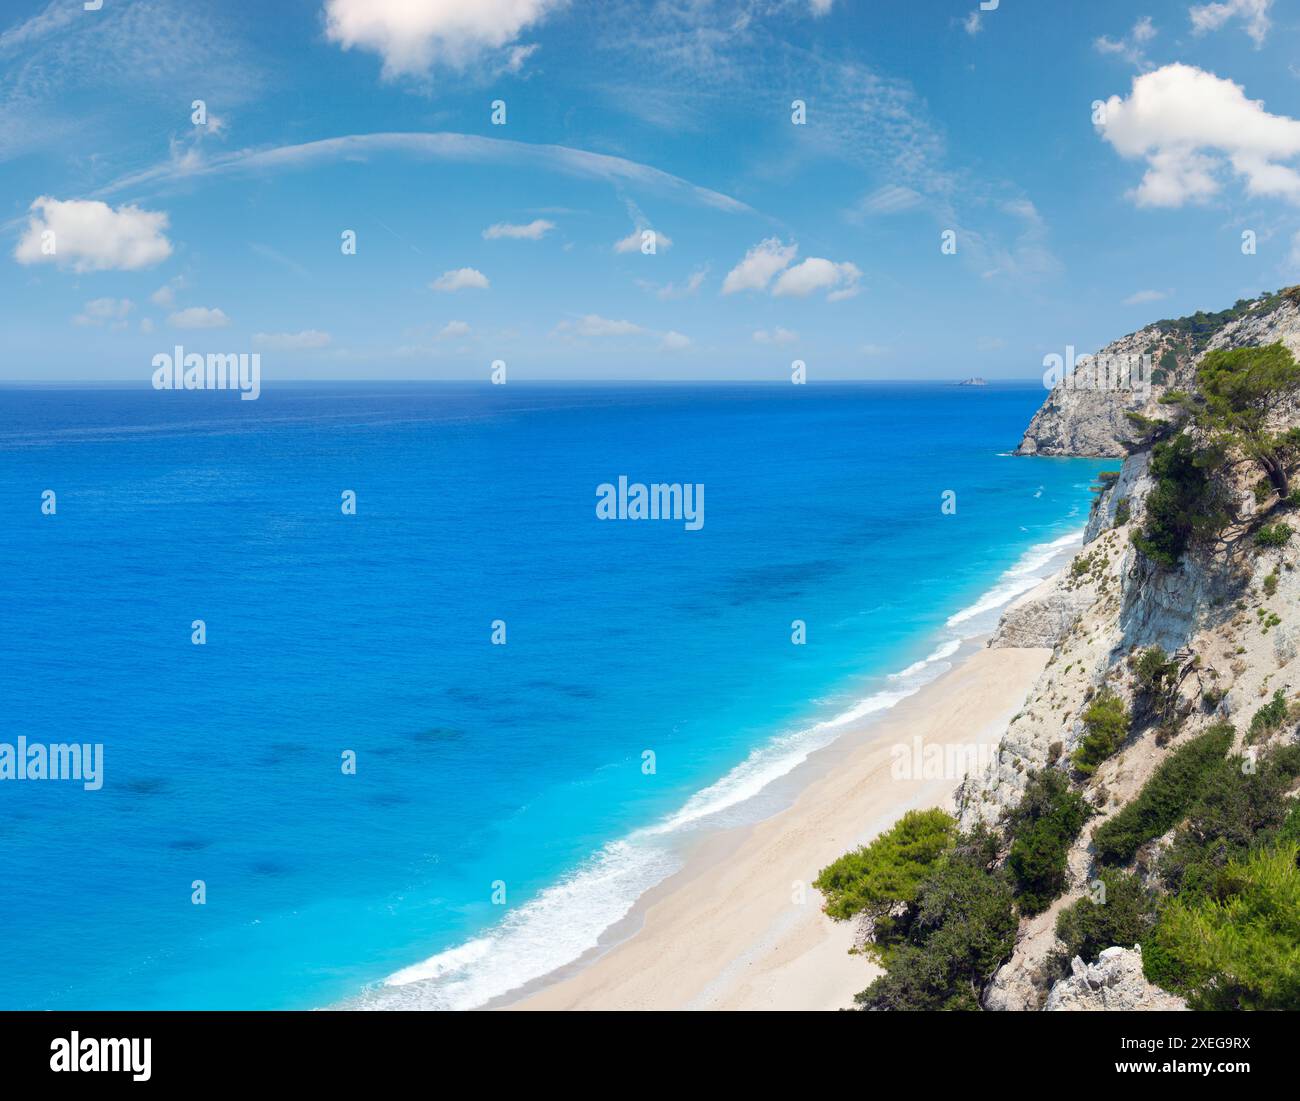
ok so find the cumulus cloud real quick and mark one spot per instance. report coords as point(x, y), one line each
point(460, 279)
point(413, 35)
point(816, 274)
point(1254, 13)
point(533, 231)
point(1190, 125)
point(759, 265)
point(674, 341)
point(102, 311)
point(87, 235)
point(776, 336)
point(198, 317)
point(292, 342)
point(453, 329)
point(632, 242)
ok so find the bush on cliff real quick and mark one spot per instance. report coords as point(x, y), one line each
point(1165, 798)
point(1241, 949)
point(1042, 826)
point(1119, 912)
point(1243, 804)
point(1106, 724)
point(1243, 390)
point(1186, 504)
point(874, 879)
point(960, 929)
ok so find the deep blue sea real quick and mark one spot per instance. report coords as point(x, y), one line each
point(482, 770)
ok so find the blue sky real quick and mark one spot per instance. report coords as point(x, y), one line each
point(774, 241)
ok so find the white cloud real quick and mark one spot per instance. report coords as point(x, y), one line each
point(595, 325)
point(1189, 125)
point(1132, 48)
point(671, 291)
point(674, 341)
point(198, 317)
point(413, 35)
point(164, 296)
point(874, 350)
point(820, 7)
point(632, 242)
point(459, 279)
point(776, 336)
point(146, 325)
point(88, 235)
point(759, 265)
point(816, 274)
point(453, 329)
point(533, 231)
point(972, 24)
point(1141, 297)
point(1210, 17)
point(890, 199)
point(100, 311)
point(292, 342)
point(450, 147)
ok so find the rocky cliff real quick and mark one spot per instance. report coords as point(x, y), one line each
point(1227, 614)
point(1083, 416)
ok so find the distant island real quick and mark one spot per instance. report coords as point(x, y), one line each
point(972, 382)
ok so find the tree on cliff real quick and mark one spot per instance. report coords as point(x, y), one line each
point(1243, 389)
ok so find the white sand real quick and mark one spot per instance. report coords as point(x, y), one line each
point(727, 932)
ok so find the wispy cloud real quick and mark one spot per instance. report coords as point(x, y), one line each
point(1253, 13)
point(533, 231)
point(462, 148)
point(1132, 47)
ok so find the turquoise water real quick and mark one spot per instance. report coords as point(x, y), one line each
point(480, 768)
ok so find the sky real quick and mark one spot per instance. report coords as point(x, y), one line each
point(672, 190)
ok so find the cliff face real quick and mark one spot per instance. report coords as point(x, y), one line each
point(1228, 613)
point(1079, 420)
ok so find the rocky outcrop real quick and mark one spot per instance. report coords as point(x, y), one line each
point(1085, 416)
point(1041, 617)
point(1115, 981)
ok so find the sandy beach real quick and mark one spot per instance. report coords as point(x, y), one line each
point(740, 926)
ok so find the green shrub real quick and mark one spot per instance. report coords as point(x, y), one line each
point(1106, 725)
point(1185, 504)
point(1042, 826)
point(873, 879)
point(1123, 917)
point(1165, 798)
point(1123, 512)
point(1268, 718)
point(1270, 584)
point(1274, 535)
point(959, 930)
point(1242, 804)
point(1240, 951)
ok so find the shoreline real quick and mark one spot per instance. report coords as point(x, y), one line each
point(739, 926)
point(596, 909)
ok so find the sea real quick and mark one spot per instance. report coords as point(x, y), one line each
point(390, 717)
